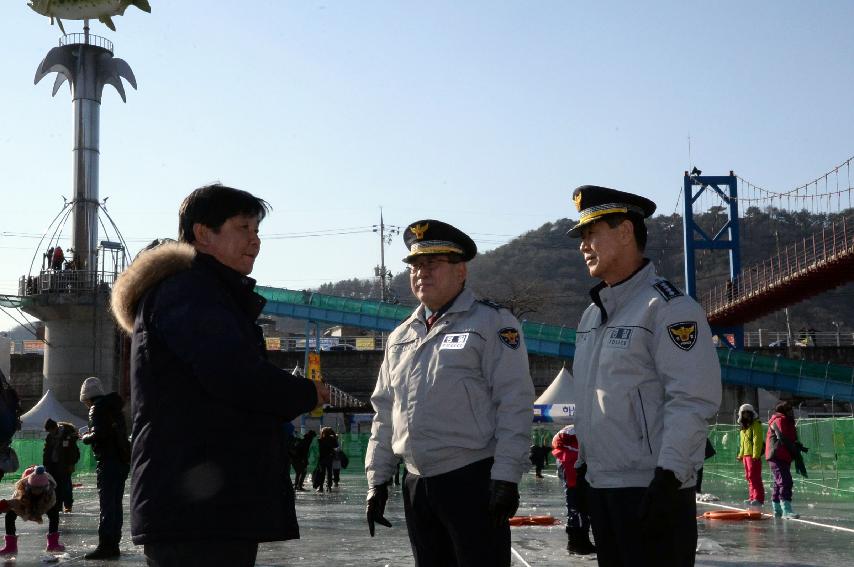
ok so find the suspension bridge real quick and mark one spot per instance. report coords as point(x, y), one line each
point(799, 270)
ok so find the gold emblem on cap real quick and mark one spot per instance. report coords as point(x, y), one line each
point(419, 229)
point(577, 201)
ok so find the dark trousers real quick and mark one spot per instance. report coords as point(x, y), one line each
point(111, 477)
point(300, 469)
point(620, 540)
point(325, 474)
point(574, 517)
point(52, 521)
point(201, 553)
point(782, 473)
point(448, 520)
point(64, 494)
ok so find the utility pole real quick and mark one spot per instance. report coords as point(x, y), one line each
point(380, 271)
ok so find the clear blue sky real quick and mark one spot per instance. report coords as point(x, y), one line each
point(485, 114)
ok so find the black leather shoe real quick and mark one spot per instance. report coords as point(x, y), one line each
point(104, 553)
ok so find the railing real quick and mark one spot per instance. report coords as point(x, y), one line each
point(338, 398)
point(780, 339)
point(65, 281)
point(831, 244)
point(86, 39)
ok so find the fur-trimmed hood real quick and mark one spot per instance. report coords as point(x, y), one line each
point(147, 270)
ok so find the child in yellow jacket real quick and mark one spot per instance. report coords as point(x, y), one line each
point(750, 453)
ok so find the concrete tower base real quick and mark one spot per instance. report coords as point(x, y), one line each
point(81, 341)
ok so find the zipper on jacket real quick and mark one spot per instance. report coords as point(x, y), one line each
point(645, 427)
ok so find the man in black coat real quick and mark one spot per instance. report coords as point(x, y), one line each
point(299, 459)
point(107, 434)
point(208, 407)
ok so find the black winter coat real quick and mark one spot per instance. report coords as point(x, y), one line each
point(208, 408)
point(108, 434)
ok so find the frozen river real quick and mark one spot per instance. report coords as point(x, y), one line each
point(334, 532)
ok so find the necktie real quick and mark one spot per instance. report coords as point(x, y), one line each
point(432, 319)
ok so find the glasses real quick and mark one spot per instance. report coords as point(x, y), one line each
point(428, 264)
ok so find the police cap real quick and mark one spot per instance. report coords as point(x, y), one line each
point(430, 236)
point(593, 203)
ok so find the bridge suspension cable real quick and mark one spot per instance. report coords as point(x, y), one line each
point(828, 193)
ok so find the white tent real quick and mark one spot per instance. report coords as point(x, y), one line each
point(48, 407)
point(556, 404)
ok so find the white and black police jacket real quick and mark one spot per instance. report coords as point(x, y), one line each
point(457, 394)
point(646, 379)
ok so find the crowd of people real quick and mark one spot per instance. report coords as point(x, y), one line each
point(46, 489)
point(452, 403)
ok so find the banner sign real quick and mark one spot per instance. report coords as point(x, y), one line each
point(554, 413)
point(313, 373)
point(33, 346)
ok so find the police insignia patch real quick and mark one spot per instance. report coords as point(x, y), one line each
point(510, 337)
point(667, 290)
point(684, 334)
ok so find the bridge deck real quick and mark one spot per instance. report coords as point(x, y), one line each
point(771, 372)
point(819, 263)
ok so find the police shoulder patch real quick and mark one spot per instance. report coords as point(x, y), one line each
point(491, 303)
point(510, 337)
point(683, 334)
point(667, 290)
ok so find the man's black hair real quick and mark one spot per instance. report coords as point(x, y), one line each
point(212, 205)
point(638, 227)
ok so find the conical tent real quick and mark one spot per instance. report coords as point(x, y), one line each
point(557, 403)
point(48, 407)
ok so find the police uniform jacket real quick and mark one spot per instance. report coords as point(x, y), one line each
point(646, 379)
point(457, 394)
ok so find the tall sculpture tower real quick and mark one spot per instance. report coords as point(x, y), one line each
point(81, 338)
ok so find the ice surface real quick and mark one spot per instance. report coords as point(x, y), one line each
point(334, 531)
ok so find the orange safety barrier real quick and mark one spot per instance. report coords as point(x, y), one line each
point(533, 521)
point(732, 515)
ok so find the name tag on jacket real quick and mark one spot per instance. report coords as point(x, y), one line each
point(454, 341)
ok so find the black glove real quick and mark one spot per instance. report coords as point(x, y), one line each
point(581, 490)
point(375, 509)
point(801, 448)
point(503, 501)
point(658, 505)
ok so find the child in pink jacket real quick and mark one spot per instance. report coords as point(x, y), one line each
point(565, 450)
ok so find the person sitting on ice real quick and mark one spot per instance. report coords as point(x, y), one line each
point(34, 496)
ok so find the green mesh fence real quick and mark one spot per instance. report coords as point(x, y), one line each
point(544, 332)
point(30, 453)
point(829, 462)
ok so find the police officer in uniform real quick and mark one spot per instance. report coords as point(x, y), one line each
point(646, 379)
point(453, 400)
